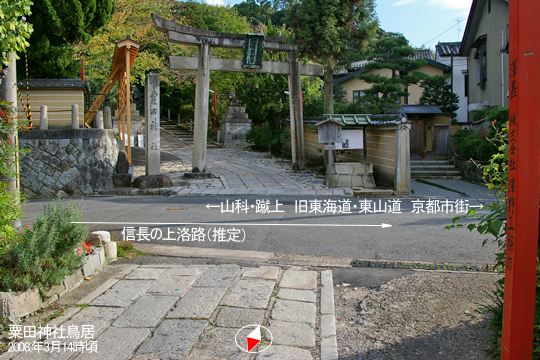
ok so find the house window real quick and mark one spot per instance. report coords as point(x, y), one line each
point(481, 65)
point(356, 94)
point(466, 85)
point(489, 6)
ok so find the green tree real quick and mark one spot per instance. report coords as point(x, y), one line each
point(391, 52)
point(437, 91)
point(265, 12)
point(58, 25)
point(14, 29)
point(323, 29)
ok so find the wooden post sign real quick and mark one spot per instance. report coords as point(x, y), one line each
point(523, 181)
point(329, 132)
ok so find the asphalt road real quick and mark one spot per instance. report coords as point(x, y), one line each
point(412, 236)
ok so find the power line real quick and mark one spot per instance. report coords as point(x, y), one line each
point(447, 30)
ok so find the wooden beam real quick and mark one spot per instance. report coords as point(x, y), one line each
point(268, 67)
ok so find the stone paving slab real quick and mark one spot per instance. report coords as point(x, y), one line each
point(280, 352)
point(329, 348)
point(122, 293)
point(217, 277)
point(98, 317)
point(172, 339)
point(187, 271)
point(299, 279)
point(117, 344)
point(198, 303)
point(237, 317)
point(172, 285)
point(218, 343)
point(328, 326)
point(146, 311)
point(297, 295)
point(264, 272)
point(100, 290)
point(296, 311)
point(150, 319)
point(290, 333)
point(145, 274)
point(250, 294)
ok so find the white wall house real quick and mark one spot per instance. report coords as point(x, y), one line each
point(448, 54)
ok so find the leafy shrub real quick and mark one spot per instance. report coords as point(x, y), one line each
point(480, 145)
point(473, 145)
point(263, 138)
point(43, 255)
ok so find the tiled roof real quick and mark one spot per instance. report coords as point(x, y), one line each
point(359, 64)
point(422, 54)
point(54, 84)
point(447, 48)
point(421, 110)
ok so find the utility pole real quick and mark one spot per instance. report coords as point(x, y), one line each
point(8, 92)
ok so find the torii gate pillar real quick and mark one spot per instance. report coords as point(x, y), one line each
point(200, 130)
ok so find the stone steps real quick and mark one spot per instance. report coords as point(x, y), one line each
point(433, 169)
point(183, 134)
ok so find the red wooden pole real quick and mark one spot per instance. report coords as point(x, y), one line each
point(82, 69)
point(523, 180)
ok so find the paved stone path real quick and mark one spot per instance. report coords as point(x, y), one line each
point(240, 172)
point(194, 312)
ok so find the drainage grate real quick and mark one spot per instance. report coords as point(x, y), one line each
point(423, 266)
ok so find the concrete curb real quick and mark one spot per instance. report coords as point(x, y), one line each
point(268, 258)
point(329, 349)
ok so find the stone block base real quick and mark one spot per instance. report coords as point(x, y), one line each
point(198, 175)
point(233, 128)
point(122, 180)
point(353, 175)
point(152, 182)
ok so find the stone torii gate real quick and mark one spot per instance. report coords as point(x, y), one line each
point(205, 39)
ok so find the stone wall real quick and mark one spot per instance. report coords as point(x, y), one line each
point(469, 170)
point(67, 162)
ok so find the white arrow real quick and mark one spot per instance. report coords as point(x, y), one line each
point(211, 206)
point(227, 224)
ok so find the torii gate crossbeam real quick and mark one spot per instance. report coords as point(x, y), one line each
point(205, 39)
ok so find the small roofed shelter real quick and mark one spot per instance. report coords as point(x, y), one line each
point(353, 130)
point(57, 94)
point(329, 131)
point(430, 131)
point(124, 56)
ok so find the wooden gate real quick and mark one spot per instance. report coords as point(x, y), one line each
point(417, 140)
point(440, 139)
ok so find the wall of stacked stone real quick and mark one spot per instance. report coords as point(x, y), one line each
point(70, 162)
point(469, 170)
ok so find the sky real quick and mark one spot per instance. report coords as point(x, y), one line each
point(423, 22)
